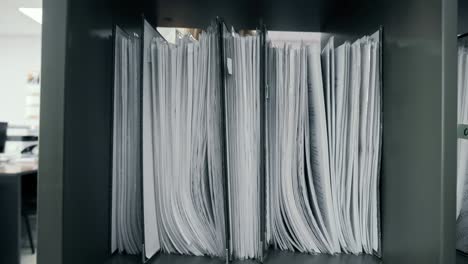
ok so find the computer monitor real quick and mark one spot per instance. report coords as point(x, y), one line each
point(3, 136)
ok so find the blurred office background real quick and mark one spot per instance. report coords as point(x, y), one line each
point(20, 61)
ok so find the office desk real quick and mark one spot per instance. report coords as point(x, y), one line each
point(10, 208)
point(18, 168)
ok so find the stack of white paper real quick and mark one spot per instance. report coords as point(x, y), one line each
point(216, 142)
point(187, 145)
point(462, 151)
point(324, 133)
point(299, 175)
point(319, 150)
point(149, 149)
point(462, 148)
point(330, 97)
point(242, 80)
point(126, 235)
point(355, 136)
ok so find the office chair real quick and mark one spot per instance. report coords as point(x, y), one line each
point(3, 136)
point(29, 203)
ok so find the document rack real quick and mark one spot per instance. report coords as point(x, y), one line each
point(419, 117)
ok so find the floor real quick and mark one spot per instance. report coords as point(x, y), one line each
point(273, 258)
point(462, 258)
point(26, 255)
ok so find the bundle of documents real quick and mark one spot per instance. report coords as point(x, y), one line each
point(183, 112)
point(462, 147)
point(216, 137)
point(462, 152)
point(172, 188)
point(297, 186)
point(126, 235)
point(242, 88)
point(324, 133)
point(354, 123)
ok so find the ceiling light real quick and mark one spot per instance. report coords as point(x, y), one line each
point(33, 13)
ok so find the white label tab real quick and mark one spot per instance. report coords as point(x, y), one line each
point(229, 66)
point(462, 131)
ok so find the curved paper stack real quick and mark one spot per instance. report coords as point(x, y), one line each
point(126, 154)
point(186, 137)
point(324, 132)
point(242, 56)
